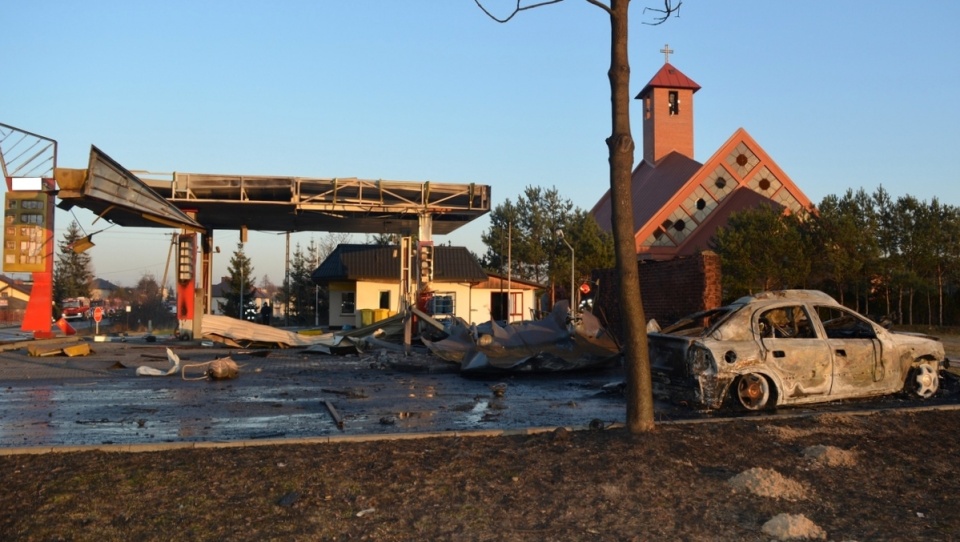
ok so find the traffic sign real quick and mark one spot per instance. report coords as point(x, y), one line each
point(97, 314)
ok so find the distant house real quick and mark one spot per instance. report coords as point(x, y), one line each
point(360, 277)
point(219, 298)
point(101, 289)
point(14, 295)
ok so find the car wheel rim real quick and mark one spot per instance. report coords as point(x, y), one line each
point(753, 392)
point(926, 381)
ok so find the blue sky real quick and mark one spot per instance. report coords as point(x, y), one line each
point(841, 94)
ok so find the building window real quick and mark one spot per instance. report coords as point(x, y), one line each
point(673, 98)
point(348, 302)
point(516, 306)
point(443, 303)
point(646, 107)
point(385, 299)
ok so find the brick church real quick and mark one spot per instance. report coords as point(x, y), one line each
point(678, 202)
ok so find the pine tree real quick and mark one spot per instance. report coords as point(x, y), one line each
point(73, 273)
point(241, 284)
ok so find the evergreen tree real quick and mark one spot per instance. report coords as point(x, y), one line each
point(762, 249)
point(241, 284)
point(299, 290)
point(73, 273)
point(526, 232)
point(146, 304)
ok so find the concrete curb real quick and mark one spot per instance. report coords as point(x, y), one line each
point(353, 439)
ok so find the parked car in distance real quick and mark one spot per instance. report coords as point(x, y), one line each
point(788, 347)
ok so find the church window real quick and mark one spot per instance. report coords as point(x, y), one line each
point(666, 224)
point(720, 183)
point(679, 225)
point(673, 98)
point(742, 160)
point(646, 107)
point(701, 204)
point(764, 184)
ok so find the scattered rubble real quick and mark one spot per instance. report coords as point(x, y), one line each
point(768, 483)
point(218, 369)
point(793, 527)
point(830, 456)
point(239, 333)
point(174, 360)
point(80, 349)
point(555, 343)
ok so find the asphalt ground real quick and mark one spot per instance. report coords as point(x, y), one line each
point(98, 400)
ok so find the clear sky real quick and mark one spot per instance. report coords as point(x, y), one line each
point(840, 94)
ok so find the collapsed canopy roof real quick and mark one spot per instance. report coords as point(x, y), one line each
point(230, 202)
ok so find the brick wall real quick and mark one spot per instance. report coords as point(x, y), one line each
point(670, 289)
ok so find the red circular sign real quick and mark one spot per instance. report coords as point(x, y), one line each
point(97, 314)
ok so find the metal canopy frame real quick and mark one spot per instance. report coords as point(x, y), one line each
point(114, 193)
point(207, 202)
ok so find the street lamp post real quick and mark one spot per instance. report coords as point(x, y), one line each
point(316, 297)
point(242, 315)
point(573, 259)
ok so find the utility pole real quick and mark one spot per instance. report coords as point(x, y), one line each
point(286, 283)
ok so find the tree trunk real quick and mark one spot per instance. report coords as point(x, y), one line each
point(910, 306)
point(940, 294)
point(621, 145)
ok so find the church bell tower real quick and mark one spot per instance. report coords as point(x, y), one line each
point(667, 112)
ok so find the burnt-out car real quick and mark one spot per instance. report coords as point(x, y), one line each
point(789, 347)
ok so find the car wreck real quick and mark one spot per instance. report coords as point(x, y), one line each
point(555, 343)
point(788, 347)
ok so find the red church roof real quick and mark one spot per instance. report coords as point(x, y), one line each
point(651, 189)
point(679, 203)
point(669, 77)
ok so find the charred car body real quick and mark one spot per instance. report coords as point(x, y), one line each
point(789, 347)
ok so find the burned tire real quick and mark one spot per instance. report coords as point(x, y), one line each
point(924, 380)
point(754, 392)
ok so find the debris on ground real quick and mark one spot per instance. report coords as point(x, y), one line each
point(241, 334)
point(218, 369)
point(768, 483)
point(830, 456)
point(174, 360)
point(793, 527)
point(81, 349)
point(555, 343)
point(387, 333)
point(337, 418)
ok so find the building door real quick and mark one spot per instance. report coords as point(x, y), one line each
point(499, 309)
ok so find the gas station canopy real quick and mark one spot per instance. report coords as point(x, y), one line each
point(206, 202)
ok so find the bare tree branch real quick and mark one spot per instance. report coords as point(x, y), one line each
point(664, 14)
point(517, 9)
point(600, 5)
point(668, 9)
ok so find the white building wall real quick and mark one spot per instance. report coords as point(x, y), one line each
point(471, 304)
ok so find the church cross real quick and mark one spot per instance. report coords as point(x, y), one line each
point(667, 51)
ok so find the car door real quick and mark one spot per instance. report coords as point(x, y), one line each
point(795, 351)
point(858, 360)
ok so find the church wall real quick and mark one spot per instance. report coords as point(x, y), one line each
point(671, 289)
